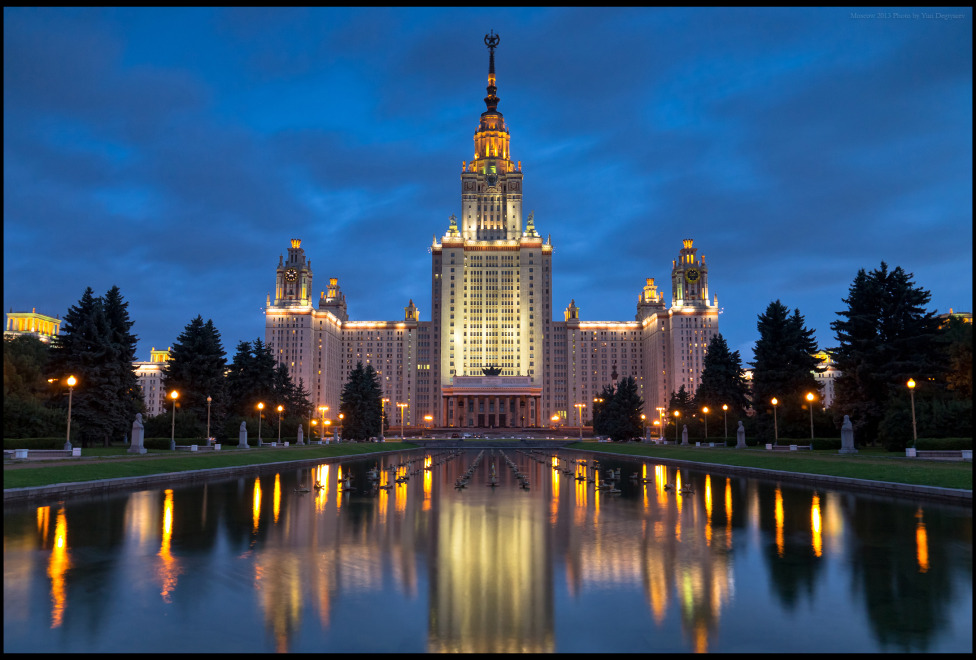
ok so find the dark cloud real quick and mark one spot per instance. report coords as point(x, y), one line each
point(176, 152)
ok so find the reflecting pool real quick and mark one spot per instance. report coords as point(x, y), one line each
point(391, 554)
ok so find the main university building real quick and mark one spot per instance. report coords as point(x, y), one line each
point(491, 284)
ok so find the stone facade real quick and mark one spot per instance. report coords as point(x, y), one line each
point(491, 298)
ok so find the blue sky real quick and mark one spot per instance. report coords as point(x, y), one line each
point(175, 152)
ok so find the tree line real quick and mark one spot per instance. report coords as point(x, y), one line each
point(884, 337)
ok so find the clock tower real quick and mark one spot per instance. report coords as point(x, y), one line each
point(293, 284)
point(689, 278)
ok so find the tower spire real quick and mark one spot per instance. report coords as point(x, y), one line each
point(491, 40)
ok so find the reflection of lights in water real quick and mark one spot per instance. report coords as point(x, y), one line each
point(43, 523)
point(277, 497)
point(554, 502)
point(778, 512)
point(257, 502)
point(708, 509)
point(58, 565)
point(728, 513)
point(169, 568)
point(815, 524)
point(921, 543)
point(322, 494)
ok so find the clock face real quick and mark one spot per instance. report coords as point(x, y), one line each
point(492, 179)
point(291, 274)
point(692, 274)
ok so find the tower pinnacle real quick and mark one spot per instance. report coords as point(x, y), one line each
point(491, 40)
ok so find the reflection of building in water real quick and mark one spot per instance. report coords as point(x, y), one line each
point(681, 556)
point(492, 590)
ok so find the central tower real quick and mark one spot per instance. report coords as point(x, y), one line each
point(491, 184)
point(491, 276)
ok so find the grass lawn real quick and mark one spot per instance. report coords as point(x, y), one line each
point(874, 464)
point(72, 470)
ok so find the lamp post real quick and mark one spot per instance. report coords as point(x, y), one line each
point(645, 429)
point(208, 420)
point(911, 392)
point(677, 414)
point(280, 408)
point(428, 421)
point(660, 422)
point(72, 381)
point(555, 421)
point(705, 416)
point(401, 406)
point(382, 419)
point(172, 436)
point(340, 425)
point(775, 423)
point(325, 426)
point(323, 409)
point(725, 416)
point(657, 423)
point(260, 417)
point(810, 398)
point(579, 409)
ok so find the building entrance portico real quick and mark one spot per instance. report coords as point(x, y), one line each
point(492, 402)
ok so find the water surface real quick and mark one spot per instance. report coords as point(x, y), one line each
point(678, 560)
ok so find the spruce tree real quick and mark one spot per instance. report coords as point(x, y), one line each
point(361, 404)
point(84, 349)
point(722, 380)
point(600, 416)
point(681, 402)
point(783, 368)
point(196, 370)
point(624, 411)
point(128, 400)
point(885, 336)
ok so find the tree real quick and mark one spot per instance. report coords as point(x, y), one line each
point(884, 337)
point(723, 379)
point(84, 349)
point(128, 398)
point(601, 423)
point(26, 390)
point(681, 402)
point(361, 404)
point(624, 411)
point(251, 378)
point(196, 370)
point(783, 368)
point(957, 336)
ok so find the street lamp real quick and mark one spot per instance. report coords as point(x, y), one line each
point(911, 392)
point(645, 429)
point(775, 424)
point(208, 420)
point(677, 414)
point(401, 406)
point(172, 436)
point(280, 408)
point(382, 419)
point(810, 398)
point(555, 421)
point(660, 423)
point(323, 409)
point(725, 416)
point(579, 409)
point(429, 420)
point(340, 424)
point(260, 417)
point(72, 381)
point(705, 416)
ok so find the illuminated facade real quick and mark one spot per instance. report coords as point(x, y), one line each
point(31, 323)
point(491, 298)
point(150, 378)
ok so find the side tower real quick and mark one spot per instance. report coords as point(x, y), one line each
point(694, 319)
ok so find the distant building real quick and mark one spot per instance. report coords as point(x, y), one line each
point(150, 377)
point(41, 326)
point(966, 317)
point(826, 377)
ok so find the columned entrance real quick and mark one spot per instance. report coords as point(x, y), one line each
point(492, 402)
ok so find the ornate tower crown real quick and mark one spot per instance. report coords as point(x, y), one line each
point(296, 242)
point(491, 40)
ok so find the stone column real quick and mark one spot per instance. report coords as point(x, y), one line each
point(538, 411)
